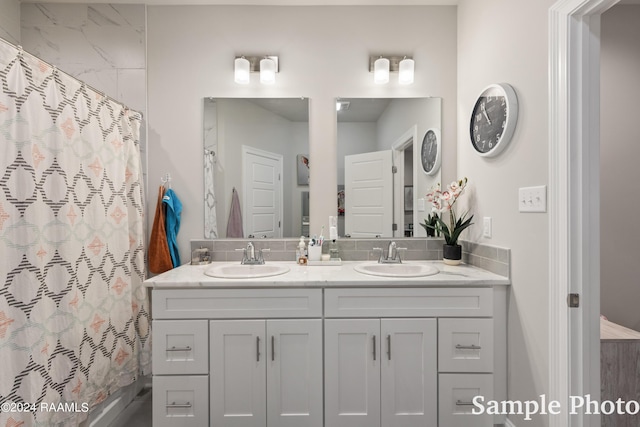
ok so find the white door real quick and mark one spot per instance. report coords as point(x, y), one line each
point(369, 194)
point(352, 372)
point(294, 373)
point(409, 373)
point(237, 371)
point(262, 189)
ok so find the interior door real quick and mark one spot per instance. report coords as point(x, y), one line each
point(237, 369)
point(369, 194)
point(262, 185)
point(352, 372)
point(294, 373)
point(409, 373)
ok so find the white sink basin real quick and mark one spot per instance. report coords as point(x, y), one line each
point(245, 271)
point(397, 270)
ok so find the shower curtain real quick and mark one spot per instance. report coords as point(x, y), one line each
point(74, 316)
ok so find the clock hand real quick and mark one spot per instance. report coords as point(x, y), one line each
point(484, 111)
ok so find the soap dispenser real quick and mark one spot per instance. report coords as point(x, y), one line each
point(301, 252)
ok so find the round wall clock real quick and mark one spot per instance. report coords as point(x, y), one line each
point(430, 152)
point(493, 119)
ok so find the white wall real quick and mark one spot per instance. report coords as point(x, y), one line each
point(10, 21)
point(190, 55)
point(620, 175)
point(506, 41)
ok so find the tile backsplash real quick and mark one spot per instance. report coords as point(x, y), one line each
point(491, 258)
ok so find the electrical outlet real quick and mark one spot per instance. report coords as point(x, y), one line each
point(532, 199)
point(486, 227)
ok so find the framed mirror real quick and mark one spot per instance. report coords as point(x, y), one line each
point(252, 147)
point(384, 146)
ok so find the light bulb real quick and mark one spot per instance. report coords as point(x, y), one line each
point(267, 71)
point(406, 68)
point(381, 71)
point(241, 70)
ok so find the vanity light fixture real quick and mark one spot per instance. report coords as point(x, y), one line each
point(267, 71)
point(382, 65)
point(381, 71)
point(241, 70)
point(266, 65)
point(405, 71)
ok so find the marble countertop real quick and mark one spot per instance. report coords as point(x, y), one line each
point(303, 276)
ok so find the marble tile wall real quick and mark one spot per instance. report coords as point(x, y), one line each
point(103, 45)
point(10, 21)
point(490, 258)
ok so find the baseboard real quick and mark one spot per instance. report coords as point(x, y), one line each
point(508, 423)
point(105, 413)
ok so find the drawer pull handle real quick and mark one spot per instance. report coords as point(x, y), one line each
point(374, 347)
point(179, 405)
point(461, 403)
point(389, 346)
point(273, 348)
point(468, 347)
point(174, 348)
point(257, 349)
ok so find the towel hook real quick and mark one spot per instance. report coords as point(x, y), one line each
point(166, 179)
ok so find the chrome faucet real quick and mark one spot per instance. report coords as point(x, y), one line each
point(392, 256)
point(251, 256)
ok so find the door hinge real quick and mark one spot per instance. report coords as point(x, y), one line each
point(394, 227)
point(573, 300)
point(394, 169)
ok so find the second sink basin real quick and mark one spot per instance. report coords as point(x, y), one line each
point(245, 271)
point(397, 270)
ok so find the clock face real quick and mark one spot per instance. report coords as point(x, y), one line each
point(430, 152)
point(493, 119)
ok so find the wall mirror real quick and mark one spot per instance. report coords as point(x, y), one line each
point(389, 152)
point(258, 147)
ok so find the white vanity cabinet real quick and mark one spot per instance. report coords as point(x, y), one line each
point(237, 357)
point(380, 372)
point(266, 373)
point(303, 351)
point(413, 357)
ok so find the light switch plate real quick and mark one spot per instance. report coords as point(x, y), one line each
point(421, 205)
point(532, 199)
point(486, 227)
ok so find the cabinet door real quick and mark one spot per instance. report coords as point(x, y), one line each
point(237, 372)
point(409, 373)
point(294, 373)
point(352, 372)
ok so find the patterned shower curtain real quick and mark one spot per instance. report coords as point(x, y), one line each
point(74, 316)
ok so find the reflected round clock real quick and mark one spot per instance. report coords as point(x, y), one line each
point(493, 119)
point(430, 152)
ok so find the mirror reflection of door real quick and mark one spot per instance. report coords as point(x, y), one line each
point(369, 194)
point(262, 192)
point(368, 125)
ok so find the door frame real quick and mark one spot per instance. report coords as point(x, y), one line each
point(574, 203)
point(397, 149)
point(245, 197)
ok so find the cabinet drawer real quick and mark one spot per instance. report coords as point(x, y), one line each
point(465, 345)
point(236, 303)
point(180, 401)
point(455, 395)
point(180, 347)
point(409, 302)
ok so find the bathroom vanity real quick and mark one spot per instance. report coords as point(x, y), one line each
point(328, 346)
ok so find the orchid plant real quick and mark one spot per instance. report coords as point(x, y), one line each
point(443, 201)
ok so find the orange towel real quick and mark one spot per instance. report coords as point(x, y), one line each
point(159, 255)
